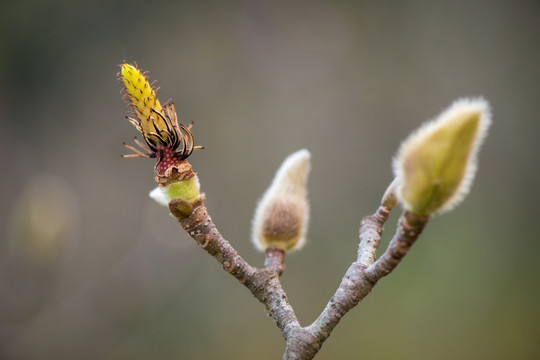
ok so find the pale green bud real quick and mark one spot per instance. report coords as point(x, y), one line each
point(282, 215)
point(436, 165)
point(185, 189)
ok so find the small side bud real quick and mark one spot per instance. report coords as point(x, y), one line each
point(186, 190)
point(436, 165)
point(282, 214)
point(389, 199)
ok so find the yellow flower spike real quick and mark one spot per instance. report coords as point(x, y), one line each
point(143, 98)
point(166, 139)
point(435, 166)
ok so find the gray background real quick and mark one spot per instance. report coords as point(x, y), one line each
point(91, 268)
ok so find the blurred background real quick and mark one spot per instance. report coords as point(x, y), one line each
point(91, 268)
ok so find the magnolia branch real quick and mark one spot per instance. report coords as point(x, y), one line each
point(265, 285)
point(433, 169)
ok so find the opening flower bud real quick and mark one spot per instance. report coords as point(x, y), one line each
point(165, 138)
point(435, 166)
point(282, 214)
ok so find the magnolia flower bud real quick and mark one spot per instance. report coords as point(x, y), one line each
point(436, 165)
point(185, 189)
point(165, 138)
point(282, 214)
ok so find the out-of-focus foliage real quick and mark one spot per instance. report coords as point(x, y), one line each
point(91, 268)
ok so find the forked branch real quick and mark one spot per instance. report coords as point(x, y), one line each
point(264, 283)
point(433, 169)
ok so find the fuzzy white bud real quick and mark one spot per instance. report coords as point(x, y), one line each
point(282, 215)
